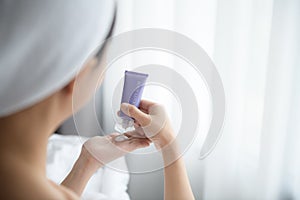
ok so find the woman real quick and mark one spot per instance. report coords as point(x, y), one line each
point(42, 44)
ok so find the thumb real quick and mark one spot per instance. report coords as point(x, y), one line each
point(142, 118)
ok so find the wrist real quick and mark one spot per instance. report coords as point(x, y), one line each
point(83, 169)
point(87, 162)
point(163, 140)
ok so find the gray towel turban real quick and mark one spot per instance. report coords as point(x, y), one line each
point(43, 44)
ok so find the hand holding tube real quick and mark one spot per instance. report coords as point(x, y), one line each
point(151, 121)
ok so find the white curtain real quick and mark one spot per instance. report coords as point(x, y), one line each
point(256, 50)
point(255, 45)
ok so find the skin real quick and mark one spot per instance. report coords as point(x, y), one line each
point(23, 147)
point(150, 114)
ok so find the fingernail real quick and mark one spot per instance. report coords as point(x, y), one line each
point(124, 107)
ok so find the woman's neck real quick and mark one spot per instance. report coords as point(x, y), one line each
point(24, 137)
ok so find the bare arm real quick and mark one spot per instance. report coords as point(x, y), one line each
point(176, 181)
point(177, 184)
point(153, 123)
point(95, 153)
point(82, 171)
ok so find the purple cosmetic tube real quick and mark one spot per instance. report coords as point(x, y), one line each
point(134, 83)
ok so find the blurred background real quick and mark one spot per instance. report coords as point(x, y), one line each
point(255, 45)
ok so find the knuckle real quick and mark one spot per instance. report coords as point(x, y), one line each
point(130, 109)
point(146, 121)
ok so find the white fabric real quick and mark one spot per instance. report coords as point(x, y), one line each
point(106, 183)
point(257, 54)
point(44, 43)
point(255, 45)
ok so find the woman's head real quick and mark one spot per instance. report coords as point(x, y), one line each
point(46, 49)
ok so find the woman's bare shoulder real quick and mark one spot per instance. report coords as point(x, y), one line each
point(50, 190)
point(33, 189)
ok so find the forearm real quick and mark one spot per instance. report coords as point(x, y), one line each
point(176, 181)
point(81, 172)
point(156, 126)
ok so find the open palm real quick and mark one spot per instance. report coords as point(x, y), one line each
point(106, 149)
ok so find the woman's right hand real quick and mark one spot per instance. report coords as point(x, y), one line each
point(151, 121)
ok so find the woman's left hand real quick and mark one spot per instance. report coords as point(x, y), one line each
point(101, 150)
point(97, 152)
